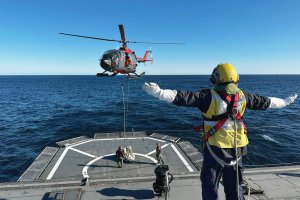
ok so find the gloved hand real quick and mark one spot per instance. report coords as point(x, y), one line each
point(280, 103)
point(154, 90)
point(290, 99)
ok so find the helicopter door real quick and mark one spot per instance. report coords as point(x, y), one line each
point(130, 61)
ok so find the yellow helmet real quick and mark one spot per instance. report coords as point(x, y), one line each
point(224, 73)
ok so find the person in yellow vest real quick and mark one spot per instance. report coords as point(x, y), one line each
point(224, 132)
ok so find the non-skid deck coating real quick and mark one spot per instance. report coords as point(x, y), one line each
point(93, 158)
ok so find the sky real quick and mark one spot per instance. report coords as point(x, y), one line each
point(257, 37)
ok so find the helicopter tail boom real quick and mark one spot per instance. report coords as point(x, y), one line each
point(145, 58)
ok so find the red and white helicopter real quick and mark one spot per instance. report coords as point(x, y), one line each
point(122, 60)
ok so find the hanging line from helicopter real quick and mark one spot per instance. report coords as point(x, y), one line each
point(128, 155)
point(125, 100)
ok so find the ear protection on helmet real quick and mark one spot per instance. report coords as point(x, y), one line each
point(214, 77)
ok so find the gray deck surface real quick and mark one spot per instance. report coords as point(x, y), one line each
point(94, 158)
point(279, 186)
point(98, 157)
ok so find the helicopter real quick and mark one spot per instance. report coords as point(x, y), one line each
point(122, 60)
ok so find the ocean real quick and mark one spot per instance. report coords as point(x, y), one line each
point(37, 111)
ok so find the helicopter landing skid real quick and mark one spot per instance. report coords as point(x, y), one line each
point(135, 76)
point(104, 74)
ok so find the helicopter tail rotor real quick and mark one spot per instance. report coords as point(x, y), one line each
point(152, 59)
point(151, 55)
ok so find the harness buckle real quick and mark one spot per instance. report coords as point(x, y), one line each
point(234, 113)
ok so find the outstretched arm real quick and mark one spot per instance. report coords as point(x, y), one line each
point(200, 99)
point(257, 102)
point(164, 95)
point(280, 103)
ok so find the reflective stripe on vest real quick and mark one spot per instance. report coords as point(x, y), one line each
point(223, 137)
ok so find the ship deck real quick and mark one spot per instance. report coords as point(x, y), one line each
point(85, 168)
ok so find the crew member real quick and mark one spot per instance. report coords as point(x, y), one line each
point(127, 60)
point(158, 154)
point(120, 157)
point(225, 134)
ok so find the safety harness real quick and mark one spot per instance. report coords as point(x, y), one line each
point(232, 113)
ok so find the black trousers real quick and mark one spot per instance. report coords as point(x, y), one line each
point(212, 172)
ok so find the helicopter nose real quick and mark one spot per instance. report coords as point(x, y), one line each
point(108, 62)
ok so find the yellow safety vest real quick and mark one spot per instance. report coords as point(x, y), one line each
point(224, 137)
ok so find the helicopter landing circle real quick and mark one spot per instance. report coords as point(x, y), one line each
point(85, 168)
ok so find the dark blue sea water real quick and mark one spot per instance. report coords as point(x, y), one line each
point(37, 111)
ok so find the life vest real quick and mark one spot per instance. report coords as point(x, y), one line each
point(219, 126)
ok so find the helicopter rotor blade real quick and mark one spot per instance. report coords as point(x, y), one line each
point(95, 38)
point(176, 43)
point(122, 32)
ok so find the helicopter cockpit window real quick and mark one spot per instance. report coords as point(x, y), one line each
point(108, 54)
point(112, 57)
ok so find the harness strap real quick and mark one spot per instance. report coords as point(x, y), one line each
point(213, 130)
point(222, 118)
point(231, 104)
point(219, 160)
point(232, 112)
